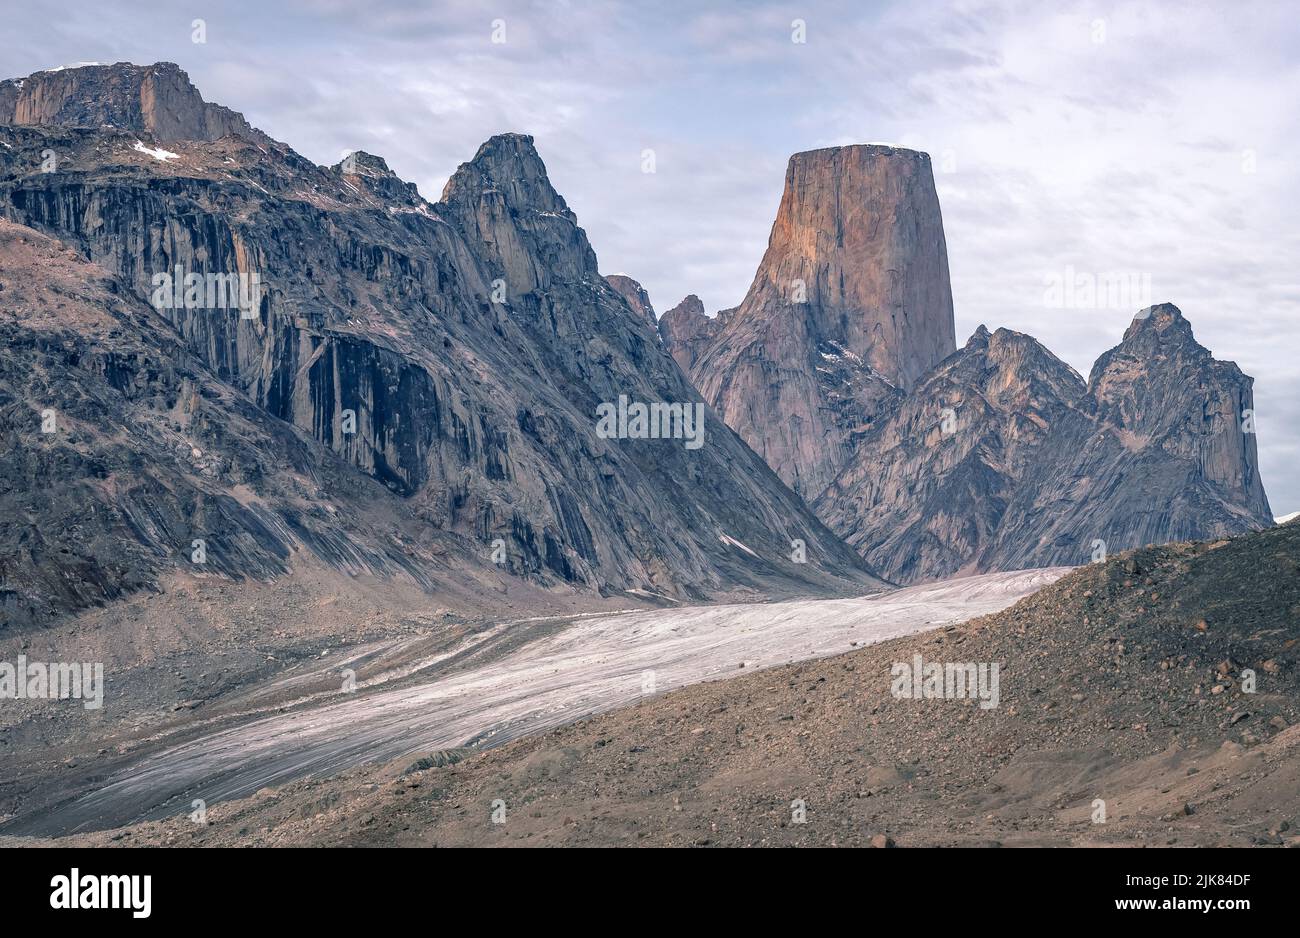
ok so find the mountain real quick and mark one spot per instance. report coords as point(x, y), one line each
point(1003, 458)
point(850, 305)
point(1163, 450)
point(383, 382)
point(840, 369)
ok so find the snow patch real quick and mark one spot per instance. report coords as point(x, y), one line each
point(842, 352)
point(650, 594)
point(1285, 518)
point(157, 153)
point(64, 68)
point(728, 539)
point(421, 209)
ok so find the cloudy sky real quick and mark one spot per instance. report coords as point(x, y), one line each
point(1152, 141)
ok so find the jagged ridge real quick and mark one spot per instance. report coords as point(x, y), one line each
point(1037, 468)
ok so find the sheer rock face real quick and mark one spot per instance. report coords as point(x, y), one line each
point(448, 358)
point(1002, 458)
point(123, 457)
point(154, 99)
point(856, 267)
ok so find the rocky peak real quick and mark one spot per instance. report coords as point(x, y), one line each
point(1005, 343)
point(850, 303)
point(858, 249)
point(361, 163)
point(686, 329)
point(155, 99)
point(635, 295)
point(509, 166)
point(980, 337)
point(1160, 319)
point(505, 202)
point(689, 313)
point(1034, 466)
point(1145, 381)
point(372, 173)
point(1155, 336)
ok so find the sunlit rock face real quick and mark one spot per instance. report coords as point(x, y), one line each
point(850, 304)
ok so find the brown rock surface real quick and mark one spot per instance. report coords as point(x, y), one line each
point(1115, 707)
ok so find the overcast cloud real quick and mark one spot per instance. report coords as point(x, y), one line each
point(1153, 139)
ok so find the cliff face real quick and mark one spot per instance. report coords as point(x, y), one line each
point(123, 457)
point(856, 268)
point(455, 353)
point(1002, 458)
